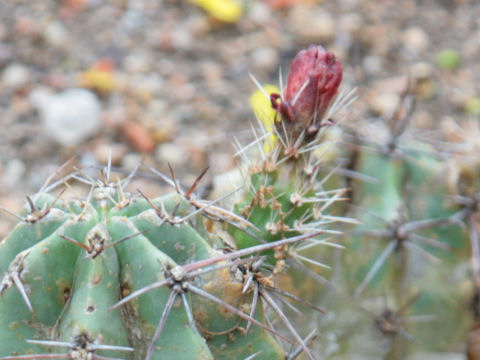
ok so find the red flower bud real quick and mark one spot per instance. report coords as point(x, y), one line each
point(314, 78)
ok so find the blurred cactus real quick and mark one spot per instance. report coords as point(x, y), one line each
point(406, 285)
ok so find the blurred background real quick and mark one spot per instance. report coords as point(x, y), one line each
point(167, 80)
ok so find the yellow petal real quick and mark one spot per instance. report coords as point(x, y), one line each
point(262, 108)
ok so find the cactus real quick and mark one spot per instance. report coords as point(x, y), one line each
point(118, 275)
point(122, 275)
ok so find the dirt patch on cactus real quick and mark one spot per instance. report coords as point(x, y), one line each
point(223, 286)
point(227, 288)
point(65, 294)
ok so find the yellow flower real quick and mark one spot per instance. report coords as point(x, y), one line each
point(263, 110)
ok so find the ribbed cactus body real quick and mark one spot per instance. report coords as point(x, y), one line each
point(72, 276)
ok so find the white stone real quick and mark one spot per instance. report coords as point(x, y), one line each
point(70, 117)
point(15, 75)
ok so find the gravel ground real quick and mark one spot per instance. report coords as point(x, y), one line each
point(166, 82)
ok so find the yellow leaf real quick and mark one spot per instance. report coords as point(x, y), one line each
point(228, 11)
point(98, 80)
point(99, 76)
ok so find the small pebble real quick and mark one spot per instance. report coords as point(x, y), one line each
point(311, 24)
point(138, 136)
point(415, 40)
point(117, 151)
point(26, 27)
point(130, 161)
point(137, 62)
point(227, 182)
point(259, 12)
point(171, 153)
point(383, 103)
point(372, 64)
point(264, 59)
point(351, 23)
point(421, 70)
